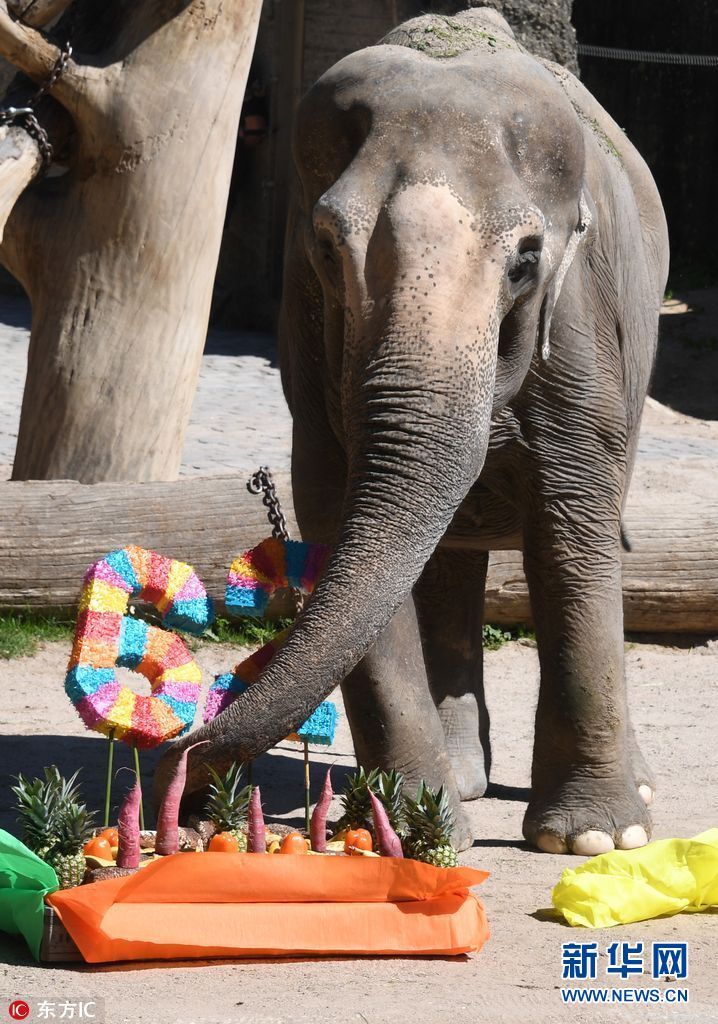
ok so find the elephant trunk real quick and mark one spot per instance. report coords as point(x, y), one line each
point(420, 449)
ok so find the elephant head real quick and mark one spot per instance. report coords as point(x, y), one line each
point(440, 205)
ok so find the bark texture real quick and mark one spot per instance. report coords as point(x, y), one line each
point(670, 577)
point(118, 254)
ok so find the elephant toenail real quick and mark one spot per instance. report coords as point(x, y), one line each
point(646, 794)
point(550, 843)
point(591, 843)
point(633, 837)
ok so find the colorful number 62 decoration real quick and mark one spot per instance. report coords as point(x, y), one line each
point(107, 636)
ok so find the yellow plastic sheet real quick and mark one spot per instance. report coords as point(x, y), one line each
point(624, 886)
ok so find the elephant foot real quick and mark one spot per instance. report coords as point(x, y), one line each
point(467, 744)
point(588, 814)
point(469, 774)
point(644, 777)
point(463, 835)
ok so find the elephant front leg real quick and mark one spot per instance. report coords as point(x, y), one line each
point(585, 796)
point(449, 601)
point(393, 719)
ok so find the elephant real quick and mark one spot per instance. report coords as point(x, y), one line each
point(474, 265)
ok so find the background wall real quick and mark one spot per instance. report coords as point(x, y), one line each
point(669, 112)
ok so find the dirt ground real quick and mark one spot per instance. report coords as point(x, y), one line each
point(517, 976)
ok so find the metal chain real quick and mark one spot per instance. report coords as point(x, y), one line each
point(58, 70)
point(25, 117)
point(262, 483)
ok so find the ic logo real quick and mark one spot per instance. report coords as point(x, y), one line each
point(18, 1009)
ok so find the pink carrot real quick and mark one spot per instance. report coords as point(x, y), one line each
point(256, 839)
point(167, 838)
point(386, 838)
point(128, 829)
point(318, 830)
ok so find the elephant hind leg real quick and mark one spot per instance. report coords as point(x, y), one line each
point(449, 600)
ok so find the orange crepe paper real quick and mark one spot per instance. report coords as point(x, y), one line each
point(248, 905)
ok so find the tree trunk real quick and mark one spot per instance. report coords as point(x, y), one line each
point(118, 255)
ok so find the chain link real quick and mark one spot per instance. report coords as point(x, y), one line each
point(262, 483)
point(25, 117)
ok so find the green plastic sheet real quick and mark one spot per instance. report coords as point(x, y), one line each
point(623, 886)
point(25, 881)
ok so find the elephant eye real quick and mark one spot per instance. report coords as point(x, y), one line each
point(326, 255)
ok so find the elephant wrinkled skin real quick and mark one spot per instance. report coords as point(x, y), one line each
point(475, 261)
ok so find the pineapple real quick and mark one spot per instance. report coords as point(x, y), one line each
point(430, 824)
point(355, 800)
point(227, 804)
point(37, 807)
point(56, 825)
point(388, 786)
point(74, 828)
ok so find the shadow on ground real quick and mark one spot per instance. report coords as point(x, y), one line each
point(280, 776)
point(687, 362)
point(241, 343)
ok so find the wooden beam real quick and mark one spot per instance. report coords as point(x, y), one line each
point(51, 531)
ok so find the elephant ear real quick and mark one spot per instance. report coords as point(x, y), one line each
point(585, 219)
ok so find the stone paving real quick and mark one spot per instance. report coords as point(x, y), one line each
point(239, 416)
point(240, 419)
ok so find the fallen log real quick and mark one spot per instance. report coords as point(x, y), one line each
point(50, 531)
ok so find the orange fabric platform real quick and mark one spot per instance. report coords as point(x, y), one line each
point(240, 905)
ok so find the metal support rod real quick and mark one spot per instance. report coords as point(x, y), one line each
point(108, 779)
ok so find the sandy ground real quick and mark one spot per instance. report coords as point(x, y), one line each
point(518, 974)
point(239, 418)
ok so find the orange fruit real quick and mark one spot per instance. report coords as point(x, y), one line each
point(357, 839)
point(223, 842)
point(294, 843)
point(111, 835)
point(98, 847)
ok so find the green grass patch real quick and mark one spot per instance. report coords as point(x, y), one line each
point(496, 636)
point(22, 632)
point(244, 632)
